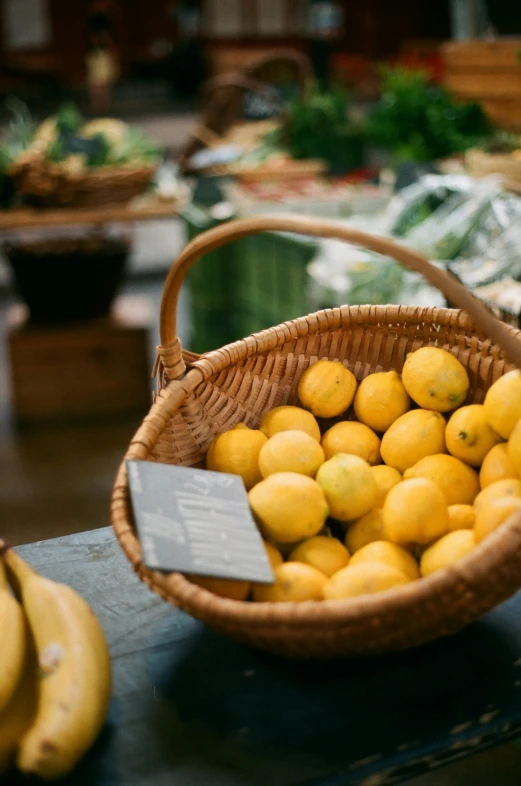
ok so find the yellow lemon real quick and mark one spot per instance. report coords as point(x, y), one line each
point(457, 480)
point(461, 517)
point(349, 486)
point(390, 554)
point(291, 451)
point(380, 399)
point(327, 388)
point(366, 578)
point(325, 554)
point(225, 588)
point(273, 554)
point(502, 403)
point(386, 477)
point(510, 487)
point(352, 438)
point(294, 582)
point(415, 512)
point(237, 451)
point(413, 436)
point(468, 435)
point(367, 529)
point(435, 379)
point(288, 418)
point(447, 551)
point(514, 447)
point(496, 466)
point(289, 507)
point(492, 514)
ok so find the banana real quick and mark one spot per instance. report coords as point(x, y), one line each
point(13, 641)
point(19, 713)
point(75, 677)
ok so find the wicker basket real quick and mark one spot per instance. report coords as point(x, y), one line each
point(202, 396)
point(48, 185)
point(480, 164)
point(223, 97)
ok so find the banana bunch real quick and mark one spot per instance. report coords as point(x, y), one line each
point(55, 677)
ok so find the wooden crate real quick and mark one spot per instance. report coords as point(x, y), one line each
point(488, 72)
point(88, 369)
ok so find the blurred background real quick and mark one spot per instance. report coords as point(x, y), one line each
point(128, 128)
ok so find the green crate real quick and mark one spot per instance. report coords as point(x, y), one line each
point(213, 319)
point(246, 286)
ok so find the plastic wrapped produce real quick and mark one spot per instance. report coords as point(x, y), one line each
point(446, 233)
point(416, 203)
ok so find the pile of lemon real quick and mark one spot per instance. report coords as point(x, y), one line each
point(361, 506)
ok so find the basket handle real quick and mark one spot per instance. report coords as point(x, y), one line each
point(244, 83)
point(170, 352)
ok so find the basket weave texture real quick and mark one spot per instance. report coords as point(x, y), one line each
point(200, 397)
point(50, 186)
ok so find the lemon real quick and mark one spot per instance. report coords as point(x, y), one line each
point(288, 418)
point(353, 438)
point(496, 466)
point(291, 451)
point(502, 403)
point(468, 435)
point(461, 517)
point(225, 588)
point(364, 579)
point(325, 554)
point(415, 512)
point(447, 551)
point(390, 554)
point(458, 481)
point(273, 554)
point(435, 379)
point(514, 447)
point(237, 451)
point(492, 514)
point(327, 388)
point(411, 437)
point(380, 399)
point(366, 530)
point(349, 486)
point(386, 477)
point(289, 507)
point(510, 487)
point(294, 582)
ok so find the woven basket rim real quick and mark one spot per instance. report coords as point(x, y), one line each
point(487, 556)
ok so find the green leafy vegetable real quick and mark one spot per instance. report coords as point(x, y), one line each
point(419, 121)
point(68, 119)
point(20, 130)
point(135, 147)
point(318, 125)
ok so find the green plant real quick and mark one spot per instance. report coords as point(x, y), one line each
point(419, 121)
point(68, 119)
point(317, 125)
point(20, 130)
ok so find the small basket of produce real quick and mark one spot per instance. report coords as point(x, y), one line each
point(69, 162)
point(381, 450)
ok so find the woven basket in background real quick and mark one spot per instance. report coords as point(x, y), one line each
point(49, 185)
point(203, 396)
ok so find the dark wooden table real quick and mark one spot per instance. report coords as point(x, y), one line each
point(193, 709)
